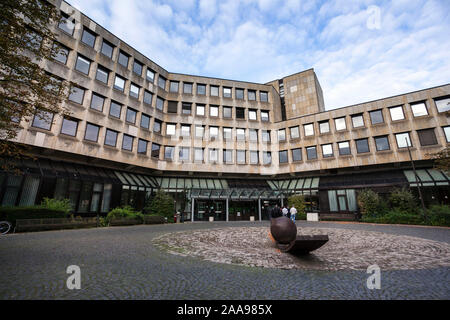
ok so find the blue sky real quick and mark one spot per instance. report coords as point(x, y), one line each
point(360, 50)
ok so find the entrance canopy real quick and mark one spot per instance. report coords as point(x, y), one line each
point(427, 178)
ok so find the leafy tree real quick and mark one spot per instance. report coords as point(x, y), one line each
point(298, 201)
point(27, 40)
point(442, 160)
point(403, 200)
point(161, 204)
point(369, 202)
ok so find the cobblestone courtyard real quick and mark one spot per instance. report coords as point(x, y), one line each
point(125, 263)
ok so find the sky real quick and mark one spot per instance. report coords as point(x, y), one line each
point(361, 50)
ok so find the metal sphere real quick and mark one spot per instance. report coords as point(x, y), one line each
point(283, 230)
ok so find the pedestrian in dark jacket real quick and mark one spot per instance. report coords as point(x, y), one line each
point(276, 212)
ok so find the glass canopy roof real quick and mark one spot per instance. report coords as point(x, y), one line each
point(427, 177)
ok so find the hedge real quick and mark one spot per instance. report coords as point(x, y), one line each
point(11, 214)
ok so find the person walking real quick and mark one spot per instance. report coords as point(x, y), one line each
point(285, 211)
point(276, 212)
point(293, 213)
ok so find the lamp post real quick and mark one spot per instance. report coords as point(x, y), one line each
point(417, 179)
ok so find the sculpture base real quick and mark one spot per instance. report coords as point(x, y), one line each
point(303, 244)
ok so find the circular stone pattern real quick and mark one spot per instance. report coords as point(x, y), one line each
point(346, 249)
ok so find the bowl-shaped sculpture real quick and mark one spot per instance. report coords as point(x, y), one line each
point(283, 230)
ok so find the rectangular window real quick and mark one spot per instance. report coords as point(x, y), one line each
point(131, 116)
point(185, 130)
point(172, 107)
point(427, 137)
point(265, 135)
point(311, 153)
point(123, 59)
point(358, 121)
point(66, 24)
point(297, 154)
point(83, 64)
point(91, 133)
point(97, 102)
point(253, 135)
point(419, 109)
point(264, 96)
point(60, 53)
point(362, 145)
point(252, 115)
point(107, 49)
point(267, 157)
point(183, 153)
point(134, 91)
point(340, 124)
point(226, 92)
point(127, 142)
point(102, 74)
point(240, 157)
point(198, 154)
point(213, 133)
point(213, 111)
point(159, 103)
point(376, 116)
point(228, 156)
point(240, 113)
point(327, 150)
point(382, 143)
point(282, 135)
point(254, 157)
point(213, 155)
point(186, 108)
point(240, 134)
point(173, 86)
point(283, 156)
point(169, 152)
point(115, 109)
point(294, 132)
point(199, 132)
point(200, 110)
point(88, 38)
point(155, 150)
point(43, 120)
point(447, 133)
point(150, 75)
point(170, 129)
point(111, 137)
point(442, 104)
point(239, 94)
point(227, 133)
point(157, 124)
point(214, 91)
point(264, 115)
point(309, 129)
point(201, 89)
point(162, 82)
point(145, 121)
point(137, 67)
point(119, 83)
point(324, 127)
point(227, 112)
point(142, 146)
point(251, 95)
point(396, 113)
point(76, 95)
point(69, 127)
point(187, 88)
point(148, 97)
point(403, 140)
point(344, 148)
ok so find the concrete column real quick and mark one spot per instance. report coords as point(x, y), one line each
point(226, 208)
point(259, 209)
point(282, 203)
point(192, 210)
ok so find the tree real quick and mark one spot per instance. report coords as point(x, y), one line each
point(298, 201)
point(442, 160)
point(26, 88)
point(162, 205)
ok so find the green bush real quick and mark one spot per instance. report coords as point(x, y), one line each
point(55, 204)
point(298, 201)
point(124, 212)
point(12, 214)
point(161, 205)
point(395, 217)
point(403, 200)
point(439, 215)
point(369, 203)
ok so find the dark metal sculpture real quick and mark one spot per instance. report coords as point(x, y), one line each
point(283, 232)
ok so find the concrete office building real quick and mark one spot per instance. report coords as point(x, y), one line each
point(234, 146)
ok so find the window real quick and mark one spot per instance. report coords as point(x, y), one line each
point(186, 108)
point(239, 93)
point(376, 116)
point(294, 132)
point(201, 89)
point(111, 137)
point(240, 157)
point(358, 121)
point(397, 113)
point(199, 131)
point(159, 103)
point(213, 155)
point(83, 64)
point(127, 142)
point(157, 124)
point(362, 145)
point(240, 113)
point(60, 53)
point(327, 150)
point(69, 127)
point(427, 137)
point(252, 95)
point(115, 109)
point(283, 156)
point(170, 129)
point(155, 150)
point(200, 110)
point(214, 91)
point(145, 121)
point(187, 88)
point(297, 154)
point(150, 75)
point(227, 112)
point(240, 134)
point(88, 37)
point(344, 148)
point(419, 109)
point(253, 134)
point(324, 127)
point(442, 104)
point(311, 153)
point(309, 129)
point(162, 82)
point(264, 115)
point(172, 107)
point(185, 130)
point(227, 133)
point(213, 111)
point(252, 114)
point(134, 91)
point(142, 146)
point(119, 83)
point(183, 153)
point(403, 140)
point(102, 74)
point(148, 97)
point(76, 95)
point(282, 135)
point(447, 133)
point(267, 157)
point(131, 116)
point(137, 67)
point(340, 124)
point(168, 152)
point(228, 156)
point(213, 132)
point(382, 143)
point(226, 92)
point(66, 24)
point(263, 96)
point(198, 154)
point(43, 120)
point(254, 157)
point(265, 135)
point(91, 133)
point(97, 102)
point(173, 86)
point(123, 59)
point(107, 49)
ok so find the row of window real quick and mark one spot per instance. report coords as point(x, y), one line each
point(83, 63)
